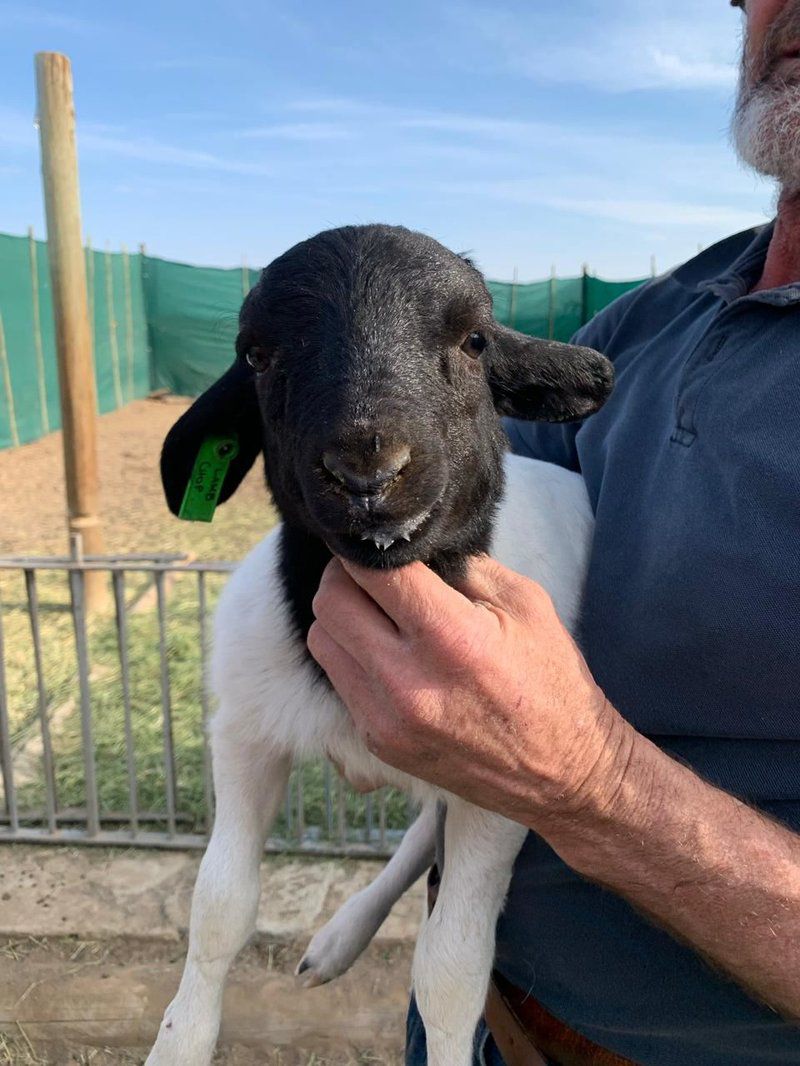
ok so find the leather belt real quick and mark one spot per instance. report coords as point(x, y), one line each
point(524, 1031)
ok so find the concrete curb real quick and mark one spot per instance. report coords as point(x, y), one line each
point(100, 894)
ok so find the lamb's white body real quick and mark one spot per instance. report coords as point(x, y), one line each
point(273, 710)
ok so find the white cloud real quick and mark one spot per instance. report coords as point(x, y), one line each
point(680, 72)
point(659, 212)
point(14, 16)
point(622, 47)
point(633, 211)
point(150, 150)
point(19, 133)
point(299, 131)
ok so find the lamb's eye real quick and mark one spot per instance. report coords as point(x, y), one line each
point(258, 358)
point(474, 344)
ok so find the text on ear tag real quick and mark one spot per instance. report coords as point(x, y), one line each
point(208, 476)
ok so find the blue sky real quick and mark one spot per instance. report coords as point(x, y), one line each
point(528, 132)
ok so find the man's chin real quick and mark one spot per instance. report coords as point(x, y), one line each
point(766, 131)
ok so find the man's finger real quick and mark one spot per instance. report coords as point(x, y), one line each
point(413, 597)
point(346, 674)
point(351, 682)
point(489, 582)
point(343, 608)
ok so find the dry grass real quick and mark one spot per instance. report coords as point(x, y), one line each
point(18, 1050)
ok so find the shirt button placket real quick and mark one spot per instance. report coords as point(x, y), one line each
point(693, 383)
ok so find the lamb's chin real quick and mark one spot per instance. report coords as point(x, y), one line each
point(380, 553)
point(387, 545)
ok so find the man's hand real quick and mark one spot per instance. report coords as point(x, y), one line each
point(479, 690)
point(482, 692)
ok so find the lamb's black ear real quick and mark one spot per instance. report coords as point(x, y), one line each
point(228, 408)
point(545, 380)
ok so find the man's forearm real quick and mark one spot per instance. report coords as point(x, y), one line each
point(719, 875)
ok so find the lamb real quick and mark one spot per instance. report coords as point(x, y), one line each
point(370, 373)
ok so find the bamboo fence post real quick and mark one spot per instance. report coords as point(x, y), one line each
point(584, 294)
point(108, 268)
point(37, 331)
point(90, 284)
point(77, 388)
point(4, 368)
point(150, 347)
point(129, 352)
point(551, 309)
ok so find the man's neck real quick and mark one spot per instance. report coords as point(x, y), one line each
point(782, 266)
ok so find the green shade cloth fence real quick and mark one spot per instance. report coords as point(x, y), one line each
point(157, 324)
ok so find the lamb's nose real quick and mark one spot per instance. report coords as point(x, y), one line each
point(369, 479)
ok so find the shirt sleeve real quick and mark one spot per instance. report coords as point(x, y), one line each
point(555, 442)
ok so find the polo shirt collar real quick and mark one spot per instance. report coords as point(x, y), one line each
point(730, 269)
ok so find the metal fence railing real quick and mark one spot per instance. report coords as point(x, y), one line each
point(102, 717)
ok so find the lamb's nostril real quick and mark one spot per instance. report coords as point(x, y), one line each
point(369, 479)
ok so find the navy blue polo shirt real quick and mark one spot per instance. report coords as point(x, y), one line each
point(691, 625)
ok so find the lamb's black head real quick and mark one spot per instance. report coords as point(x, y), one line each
point(370, 371)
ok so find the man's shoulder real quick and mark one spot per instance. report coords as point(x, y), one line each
point(662, 298)
point(719, 258)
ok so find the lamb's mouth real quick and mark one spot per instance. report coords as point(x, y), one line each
point(384, 538)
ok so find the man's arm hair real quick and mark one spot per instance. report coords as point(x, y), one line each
point(717, 874)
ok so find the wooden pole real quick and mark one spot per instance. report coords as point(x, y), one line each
point(56, 114)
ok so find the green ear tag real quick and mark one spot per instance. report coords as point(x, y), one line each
point(208, 475)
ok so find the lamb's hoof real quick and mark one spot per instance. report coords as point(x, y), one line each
point(308, 976)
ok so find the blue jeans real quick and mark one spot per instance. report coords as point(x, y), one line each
point(484, 1049)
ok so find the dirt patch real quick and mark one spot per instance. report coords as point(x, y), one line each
point(69, 1002)
point(135, 516)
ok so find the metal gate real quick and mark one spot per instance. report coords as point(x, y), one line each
point(102, 718)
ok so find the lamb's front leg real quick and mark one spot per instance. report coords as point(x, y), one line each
point(250, 787)
point(454, 954)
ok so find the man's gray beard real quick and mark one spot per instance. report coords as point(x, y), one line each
point(766, 130)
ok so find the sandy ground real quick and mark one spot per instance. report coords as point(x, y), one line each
point(92, 943)
point(133, 510)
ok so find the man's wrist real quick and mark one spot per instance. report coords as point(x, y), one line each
point(612, 802)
